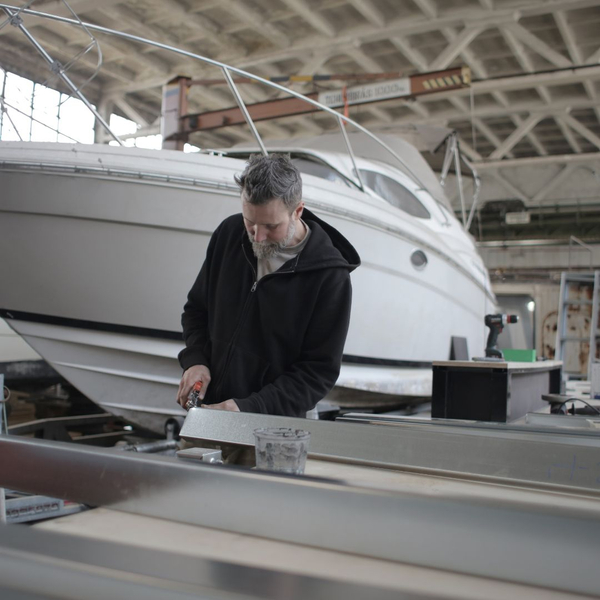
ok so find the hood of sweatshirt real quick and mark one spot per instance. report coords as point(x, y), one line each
point(326, 248)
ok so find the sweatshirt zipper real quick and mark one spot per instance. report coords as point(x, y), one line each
point(242, 318)
point(253, 270)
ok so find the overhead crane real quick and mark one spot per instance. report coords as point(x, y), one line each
point(178, 124)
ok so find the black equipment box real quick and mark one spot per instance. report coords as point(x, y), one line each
point(492, 391)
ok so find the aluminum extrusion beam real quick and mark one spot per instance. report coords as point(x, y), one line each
point(494, 454)
point(482, 538)
point(69, 564)
point(554, 425)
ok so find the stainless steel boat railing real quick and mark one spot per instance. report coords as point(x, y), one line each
point(14, 14)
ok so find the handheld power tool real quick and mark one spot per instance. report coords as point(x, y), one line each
point(496, 324)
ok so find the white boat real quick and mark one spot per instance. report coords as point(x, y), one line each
point(114, 238)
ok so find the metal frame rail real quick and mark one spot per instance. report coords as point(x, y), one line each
point(535, 459)
point(555, 425)
point(106, 569)
point(510, 542)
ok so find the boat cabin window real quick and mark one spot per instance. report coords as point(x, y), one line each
point(318, 169)
point(394, 193)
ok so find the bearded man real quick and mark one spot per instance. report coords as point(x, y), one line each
point(266, 320)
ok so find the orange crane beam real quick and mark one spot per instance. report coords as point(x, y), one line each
point(382, 89)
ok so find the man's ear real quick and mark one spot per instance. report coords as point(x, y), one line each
point(298, 210)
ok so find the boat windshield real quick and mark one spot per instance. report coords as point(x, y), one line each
point(306, 164)
point(319, 169)
point(394, 193)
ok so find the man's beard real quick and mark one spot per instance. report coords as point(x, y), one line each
point(270, 249)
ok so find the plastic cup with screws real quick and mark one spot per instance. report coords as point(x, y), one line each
point(281, 449)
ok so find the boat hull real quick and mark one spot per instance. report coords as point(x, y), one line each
point(106, 259)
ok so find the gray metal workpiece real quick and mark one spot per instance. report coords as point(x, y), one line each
point(591, 423)
point(511, 542)
point(489, 453)
point(66, 565)
point(552, 424)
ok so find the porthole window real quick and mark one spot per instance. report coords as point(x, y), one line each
point(418, 258)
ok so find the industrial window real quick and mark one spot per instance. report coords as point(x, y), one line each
point(394, 193)
point(33, 112)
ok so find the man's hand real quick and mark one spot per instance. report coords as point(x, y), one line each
point(227, 405)
point(190, 376)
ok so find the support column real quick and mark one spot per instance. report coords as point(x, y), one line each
point(174, 106)
point(105, 109)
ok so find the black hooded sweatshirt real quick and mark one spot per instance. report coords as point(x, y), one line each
point(274, 346)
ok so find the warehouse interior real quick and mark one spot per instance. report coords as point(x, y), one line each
point(529, 122)
point(503, 109)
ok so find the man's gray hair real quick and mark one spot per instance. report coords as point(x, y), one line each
point(268, 177)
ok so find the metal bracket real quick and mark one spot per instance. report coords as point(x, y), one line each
point(15, 20)
point(205, 455)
